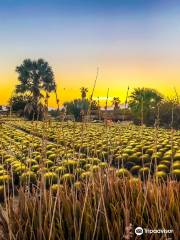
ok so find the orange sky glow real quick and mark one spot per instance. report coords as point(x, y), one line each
point(134, 43)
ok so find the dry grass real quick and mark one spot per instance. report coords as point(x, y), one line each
point(103, 207)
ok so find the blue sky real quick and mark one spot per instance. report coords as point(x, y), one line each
point(133, 42)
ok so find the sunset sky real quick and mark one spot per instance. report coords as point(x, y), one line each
point(134, 43)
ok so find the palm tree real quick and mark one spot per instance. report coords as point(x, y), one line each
point(116, 102)
point(77, 107)
point(29, 110)
point(143, 103)
point(83, 93)
point(34, 78)
point(57, 99)
point(49, 84)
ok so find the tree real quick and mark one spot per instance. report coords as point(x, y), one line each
point(83, 93)
point(94, 105)
point(144, 104)
point(116, 102)
point(80, 107)
point(77, 108)
point(35, 77)
point(57, 99)
point(19, 102)
point(169, 114)
point(54, 113)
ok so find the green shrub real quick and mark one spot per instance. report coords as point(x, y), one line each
point(28, 177)
point(56, 187)
point(3, 172)
point(31, 162)
point(50, 178)
point(103, 165)
point(135, 170)
point(48, 163)
point(161, 175)
point(68, 178)
point(60, 170)
point(144, 172)
point(93, 161)
point(70, 164)
point(86, 175)
point(78, 185)
point(4, 179)
point(52, 156)
point(121, 173)
point(163, 168)
point(177, 156)
point(176, 165)
point(176, 174)
point(35, 168)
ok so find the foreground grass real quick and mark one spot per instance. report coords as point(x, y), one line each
point(85, 181)
point(101, 207)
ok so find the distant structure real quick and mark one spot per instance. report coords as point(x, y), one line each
point(110, 113)
point(4, 110)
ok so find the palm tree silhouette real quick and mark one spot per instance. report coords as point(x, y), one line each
point(116, 102)
point(83, 93)
point(34, 78)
